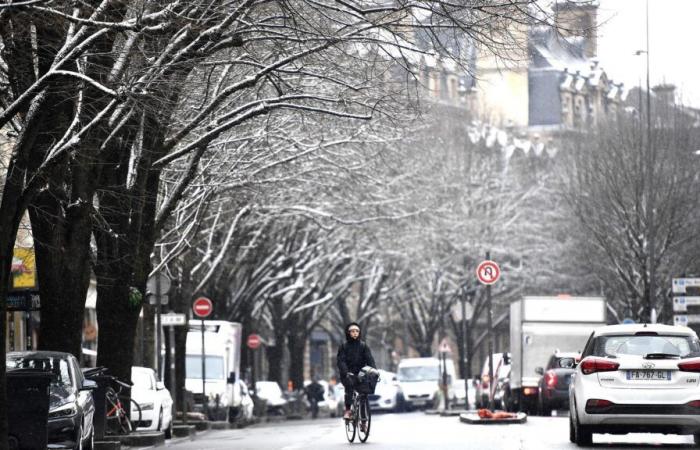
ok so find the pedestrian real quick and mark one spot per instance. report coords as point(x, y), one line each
point(314, 394)
point(353, 355)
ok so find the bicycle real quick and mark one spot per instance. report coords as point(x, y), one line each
point(117, 418)
point(361, 415)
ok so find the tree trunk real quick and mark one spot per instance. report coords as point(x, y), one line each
point(61, 242)
point(275, 357)
point(296, 344)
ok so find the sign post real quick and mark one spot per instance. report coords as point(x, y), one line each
point(158, 285)
point(686, 301)
point(488, 273)
point(172, 320)
point(202, 308)
point(253, 342)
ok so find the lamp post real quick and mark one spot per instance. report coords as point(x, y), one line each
point(649, 173)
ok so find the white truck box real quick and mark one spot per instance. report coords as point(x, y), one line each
point(541, 325)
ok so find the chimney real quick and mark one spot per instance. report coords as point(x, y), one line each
point(579, 18)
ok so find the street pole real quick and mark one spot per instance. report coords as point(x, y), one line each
point(444, 380)
point(157, 352)
point(204, 377)
point(489, 331)
point(173, 389)
point(465, 356)
point(650, 203)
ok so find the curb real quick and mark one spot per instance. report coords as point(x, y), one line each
point(108, 445)
point(143, 439)
point(184, 431)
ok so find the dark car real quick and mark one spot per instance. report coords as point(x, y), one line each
point(71, 406)
point(553, 386)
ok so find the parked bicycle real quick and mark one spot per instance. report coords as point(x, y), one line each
point(118, 420)
point(361, 416)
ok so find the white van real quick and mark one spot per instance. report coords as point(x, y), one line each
point(420, 379)
point(222, 344)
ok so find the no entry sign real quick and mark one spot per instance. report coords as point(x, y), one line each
point(488, 272)
point(253, 341)
point(202, 307)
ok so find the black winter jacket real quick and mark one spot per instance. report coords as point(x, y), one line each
point(353, 355)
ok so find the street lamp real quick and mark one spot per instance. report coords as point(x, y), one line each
point(649, 175)
point(463, 314)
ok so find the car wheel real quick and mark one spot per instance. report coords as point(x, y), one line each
point(169, 431)
point(582, 435)
point(696, 439)
point(572, 433)
point(90, 444)
point(79, 438)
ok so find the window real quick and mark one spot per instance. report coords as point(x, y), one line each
point(214, 367)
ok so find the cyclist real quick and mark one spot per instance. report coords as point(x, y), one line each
point(353, 355)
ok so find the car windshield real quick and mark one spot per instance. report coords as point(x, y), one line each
point(142, 379)
point(214, 367)
point(419, 373)
point(57, 366)
point(613, 346)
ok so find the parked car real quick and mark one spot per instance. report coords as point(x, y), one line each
point(635, 378)
point(71, 406)
point(460, 393)
point(155, 401)
point(271, 392)
point(420, 380)
point(553, 387)
point(501, 370)
point(388, 395)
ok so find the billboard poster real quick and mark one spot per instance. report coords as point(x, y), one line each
point(23, 268)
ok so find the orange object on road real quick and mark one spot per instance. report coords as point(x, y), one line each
point(488, 414)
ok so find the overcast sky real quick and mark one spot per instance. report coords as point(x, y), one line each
point(673, 29)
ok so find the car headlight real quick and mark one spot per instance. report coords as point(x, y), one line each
point(65, 410)
point(146, 406)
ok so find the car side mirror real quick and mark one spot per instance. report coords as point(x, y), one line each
point(231, 378)
point(159, 386)
point(506, 359)
point(567, 363)
point(88, 385)
point(539, 371)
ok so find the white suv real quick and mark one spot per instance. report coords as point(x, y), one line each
point(636, 378)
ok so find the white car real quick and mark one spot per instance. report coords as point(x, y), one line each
point(461, 393)
point(636, 378)
point(154, 399)
point(271, 392)
point(387, 395)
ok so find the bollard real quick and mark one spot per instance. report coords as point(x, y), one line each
point(28, 408)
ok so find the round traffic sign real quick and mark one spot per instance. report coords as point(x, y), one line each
point(253, 341)
point(488, 272)
point(202, 307)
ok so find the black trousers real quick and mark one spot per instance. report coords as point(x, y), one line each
point(348, 393)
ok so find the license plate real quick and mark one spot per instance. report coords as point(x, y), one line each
point(662, 375)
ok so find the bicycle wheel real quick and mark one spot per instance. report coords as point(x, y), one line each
point(135, 412)
point(350, 428)
point(365, 419)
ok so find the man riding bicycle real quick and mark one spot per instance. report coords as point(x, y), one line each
point(353, 355)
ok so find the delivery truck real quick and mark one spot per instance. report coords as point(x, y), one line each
point(539, 327)
point(222, 360)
